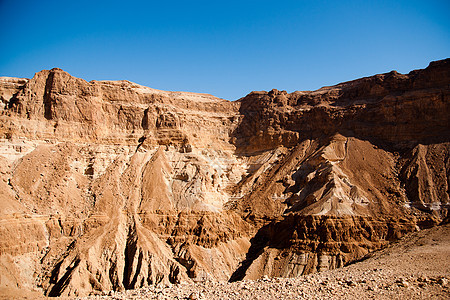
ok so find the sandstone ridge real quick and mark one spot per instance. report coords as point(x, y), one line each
point(110, 185)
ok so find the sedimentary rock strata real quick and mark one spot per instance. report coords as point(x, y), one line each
point(110, 185)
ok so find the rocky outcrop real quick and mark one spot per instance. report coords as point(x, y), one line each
point(109, 185)
point(395, 110)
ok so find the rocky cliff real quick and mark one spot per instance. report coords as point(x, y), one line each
point(110, 185)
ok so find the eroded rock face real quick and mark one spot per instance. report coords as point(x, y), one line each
point(112, 185)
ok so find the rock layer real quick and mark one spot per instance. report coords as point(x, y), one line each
point(109, 185)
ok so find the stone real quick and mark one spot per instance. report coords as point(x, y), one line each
point(402, 282)
point(194, 296)
point(443, 281)
point(351, 283)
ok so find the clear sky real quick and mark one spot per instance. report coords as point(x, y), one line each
point(225, 48)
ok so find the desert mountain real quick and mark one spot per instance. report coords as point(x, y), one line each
point(110, 185)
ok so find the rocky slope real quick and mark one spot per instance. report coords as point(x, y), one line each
point(112, 185)
point(396, 272)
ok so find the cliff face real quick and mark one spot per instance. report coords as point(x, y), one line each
point(112, 185)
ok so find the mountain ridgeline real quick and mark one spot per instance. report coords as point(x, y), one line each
point(110, 185)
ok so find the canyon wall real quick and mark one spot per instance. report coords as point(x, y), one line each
point(110, 185)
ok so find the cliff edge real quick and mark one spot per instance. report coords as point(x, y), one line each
point(110, 185)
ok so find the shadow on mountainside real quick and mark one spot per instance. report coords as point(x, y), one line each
point(258, 243)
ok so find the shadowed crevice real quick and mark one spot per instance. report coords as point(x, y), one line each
point(48, 101)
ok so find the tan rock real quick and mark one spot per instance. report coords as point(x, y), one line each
point(110, 185)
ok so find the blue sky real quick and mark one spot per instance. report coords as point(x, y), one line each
point(225, 48)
